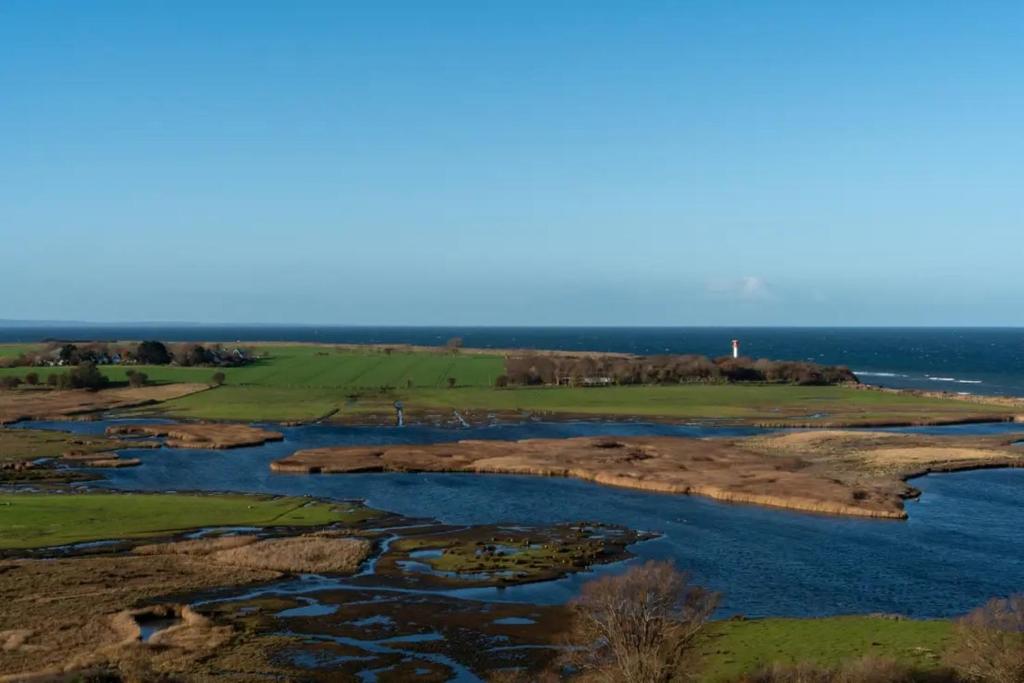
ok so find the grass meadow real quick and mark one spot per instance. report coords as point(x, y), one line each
point(732, 648)
point(307, 382)
point(38, 520)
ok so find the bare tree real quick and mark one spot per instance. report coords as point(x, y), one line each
point(638, 627)
point(453, 344)
point(988, 644)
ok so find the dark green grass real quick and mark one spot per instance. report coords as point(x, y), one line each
point(731, 648)
point(37, 520)
point(303, 366)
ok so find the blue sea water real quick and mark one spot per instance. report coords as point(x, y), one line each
point(961, 545)
point(969, 360)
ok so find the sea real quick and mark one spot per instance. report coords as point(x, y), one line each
point(988, 361)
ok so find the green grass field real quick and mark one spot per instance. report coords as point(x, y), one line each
point(39, 520)
point(306, 382)
point(308, 366)
point(732, 648)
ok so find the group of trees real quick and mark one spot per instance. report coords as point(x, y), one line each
point(150, 352)
point(197, 355)
point(83, 376)
point(590, 370)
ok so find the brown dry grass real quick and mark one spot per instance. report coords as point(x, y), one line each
point(835, 472)
point(41, 404)
point(311, 554)
point(60, 615)
point(200, 434)
point(324, 552)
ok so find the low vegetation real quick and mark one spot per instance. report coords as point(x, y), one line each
point(40, 520)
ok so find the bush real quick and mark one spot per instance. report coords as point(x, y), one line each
point(52, 380)
point(9, 382)
point(988, 644)
point(501, 381)
point(453, 344)
point(152, 353)
point(32, 378)
point(451, 382)
point(85, 376)
point(218, 379)
point(137, 379)
point(639, 626)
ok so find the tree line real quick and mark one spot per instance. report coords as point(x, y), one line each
point(150, 352)
point(596, 370)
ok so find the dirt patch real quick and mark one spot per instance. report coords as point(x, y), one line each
point(846, 473)
point(200, 434)
point(42, 404)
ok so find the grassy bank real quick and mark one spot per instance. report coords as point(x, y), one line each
point(39, 520)
point(732, 648)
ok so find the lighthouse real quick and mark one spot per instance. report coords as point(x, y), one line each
point(735, 348)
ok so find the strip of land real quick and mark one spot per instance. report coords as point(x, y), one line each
point(360, 384)
point(845, 473)
point(47, 404)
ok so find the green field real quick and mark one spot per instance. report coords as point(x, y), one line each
point(309, 366)
point(731, 648)
point(686, 401)
point(306, 382)
point(39, 520)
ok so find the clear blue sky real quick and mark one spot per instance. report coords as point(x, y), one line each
point(667, 163)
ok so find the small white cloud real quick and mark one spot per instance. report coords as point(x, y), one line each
point(746, 288)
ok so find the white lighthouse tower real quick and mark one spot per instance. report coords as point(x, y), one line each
point(735, 348)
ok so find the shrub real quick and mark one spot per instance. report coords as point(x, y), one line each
point(218, 379)
point(9, 382)
point(453, 344)
point(32, 378)
point(501, 381)
point(451, 382)
point(137, 379)
point(988, 644)
point(638, 626)
point(52, 380)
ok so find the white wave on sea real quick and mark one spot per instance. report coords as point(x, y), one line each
point(868, 374)
point(953, 379)
point(861, 373)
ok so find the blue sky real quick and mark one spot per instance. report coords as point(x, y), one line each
point(611, 163)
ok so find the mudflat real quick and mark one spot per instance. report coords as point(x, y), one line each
point(835, 472)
